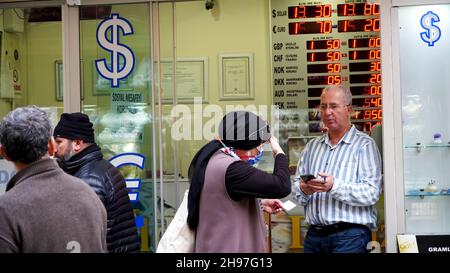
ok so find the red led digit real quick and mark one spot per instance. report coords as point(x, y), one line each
point(374, 114)
point(368, 25)
point(374, 78)
point(330, 56)
point(367, 9)
point(333, 56)
point(329, 44)
point(376, 25)
point(374, 42)
point(300, 12)
point(337, 68)
point(350, 26)
point(295, 12)
point(333, 44)
point(376, 9)
point(372, 25)
point(334, 68)
point(336, 44)
point(334, 80)
point(337, 56)
point(326, 11)
point(319, 11)
point(325, 26)
point(375, 66)
point(375, 90)
point(349, 10)
point(375, 102)
point(374, 54)
point(297, 28)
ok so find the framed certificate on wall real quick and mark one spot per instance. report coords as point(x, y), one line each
point(236, 76)
point(191, 79)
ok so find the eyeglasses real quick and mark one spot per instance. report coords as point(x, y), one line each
point(331, 106)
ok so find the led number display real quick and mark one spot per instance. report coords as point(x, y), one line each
point(359, 25)
point(323, 56)
point(358, 9)
point(365, 78)
point(296, 28)
point(371, 90)
point(324, 68)
point(365, 66)
point(374, 54)
point(323, 44)
point(364, 42)
point(324, 80)
point(318, 11)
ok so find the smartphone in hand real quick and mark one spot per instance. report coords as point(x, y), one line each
point(307, 177)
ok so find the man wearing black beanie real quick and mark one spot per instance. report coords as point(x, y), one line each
point(81, 157)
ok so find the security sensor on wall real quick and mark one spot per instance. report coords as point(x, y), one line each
point(209, 4)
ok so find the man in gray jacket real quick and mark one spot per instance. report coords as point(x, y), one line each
point(44, 209)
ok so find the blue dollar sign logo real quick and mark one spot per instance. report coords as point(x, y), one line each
point(433, 32)
point(122, 57)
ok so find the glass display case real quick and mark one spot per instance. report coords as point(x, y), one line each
point(415, 39)
point(417, 131)
point(424, 65)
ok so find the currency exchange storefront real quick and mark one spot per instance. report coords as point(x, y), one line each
point(115, 61)
point(156, 77)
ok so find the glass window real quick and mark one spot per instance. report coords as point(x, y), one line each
point(30, 51)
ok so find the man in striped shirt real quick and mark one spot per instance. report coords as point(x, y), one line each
point(340, 201)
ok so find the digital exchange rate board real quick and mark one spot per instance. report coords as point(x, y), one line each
point(320, 43)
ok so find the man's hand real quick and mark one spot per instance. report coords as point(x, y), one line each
point(272, 205)
point(323, 183)
point(305, 188)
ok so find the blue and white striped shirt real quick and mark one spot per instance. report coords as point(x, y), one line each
point(355, 164)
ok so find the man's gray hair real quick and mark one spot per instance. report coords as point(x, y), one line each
point(24, 134)
point(347, 93)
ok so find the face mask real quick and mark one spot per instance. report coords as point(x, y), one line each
point(252, 160)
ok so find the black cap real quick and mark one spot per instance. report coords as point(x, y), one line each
point(243, 130)
point(75, 126)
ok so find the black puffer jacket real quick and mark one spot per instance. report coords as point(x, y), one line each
point(110, 187)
